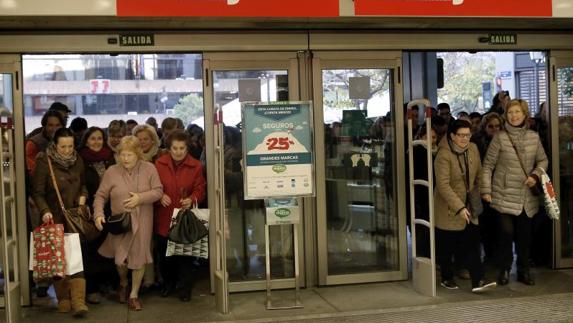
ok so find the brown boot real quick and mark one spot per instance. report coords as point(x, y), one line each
point(62, 288)
point(78, 293)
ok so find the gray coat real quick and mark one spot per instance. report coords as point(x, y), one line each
point(502, 175)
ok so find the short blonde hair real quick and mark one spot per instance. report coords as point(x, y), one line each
point(521, 103)
point(130, 143)
point(150, 131)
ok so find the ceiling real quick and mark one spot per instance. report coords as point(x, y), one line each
point(51, 24)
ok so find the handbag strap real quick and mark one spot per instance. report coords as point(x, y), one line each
point(518, 157)
point(55, 183)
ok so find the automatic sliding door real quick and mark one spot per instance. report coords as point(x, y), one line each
point(361, 237)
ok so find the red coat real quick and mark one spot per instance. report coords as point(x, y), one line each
point(188, 176)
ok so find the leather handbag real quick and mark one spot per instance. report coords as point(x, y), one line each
point(118, 223)
point(187, 228)
point(78, 219)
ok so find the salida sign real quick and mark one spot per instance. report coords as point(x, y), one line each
point(484, 8)
point(228, 8)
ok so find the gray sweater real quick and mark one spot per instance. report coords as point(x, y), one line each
point(502, 175)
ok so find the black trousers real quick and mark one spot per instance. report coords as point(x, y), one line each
point(488, 223)
point(175, 270)
point(464, 246)
point(514, 228)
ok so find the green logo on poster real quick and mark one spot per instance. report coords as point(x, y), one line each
point(279, 168)
point(282, 213)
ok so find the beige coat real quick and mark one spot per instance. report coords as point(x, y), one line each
point(450, 191)
point(502, 175)
point(133, 247)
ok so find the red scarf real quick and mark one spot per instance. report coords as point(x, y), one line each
point(105, 154)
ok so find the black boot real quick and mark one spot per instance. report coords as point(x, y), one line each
point(503, 277)
point(525, 277)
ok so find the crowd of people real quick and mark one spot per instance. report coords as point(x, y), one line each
point(141, 169)
point(486, 169)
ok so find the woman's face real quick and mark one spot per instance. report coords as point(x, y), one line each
point(515, 116)
point(115, 138)
point(462, 137)
point(492, 127)
point(95, 141)
point(128, 159)
point(178, 150)
point(145, 141)
point(65, 146)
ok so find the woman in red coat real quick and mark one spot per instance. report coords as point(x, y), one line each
point(183, 185)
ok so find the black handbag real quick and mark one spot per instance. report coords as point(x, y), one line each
point(118, 223)
point(187, 228)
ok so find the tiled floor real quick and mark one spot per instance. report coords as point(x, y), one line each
point(351, 303)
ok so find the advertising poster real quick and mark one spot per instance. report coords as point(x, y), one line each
point(277, 149)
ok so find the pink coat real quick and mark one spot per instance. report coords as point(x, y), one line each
point(133, 247)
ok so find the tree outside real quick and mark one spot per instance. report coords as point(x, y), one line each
point(189, 108)
point(464, 74)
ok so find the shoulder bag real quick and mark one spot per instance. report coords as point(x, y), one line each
point(78, 219)
point(536, 190)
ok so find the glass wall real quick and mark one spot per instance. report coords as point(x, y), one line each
point(101, 88)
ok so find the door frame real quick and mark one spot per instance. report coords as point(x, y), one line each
point(357, 59)
point(221, 61)
point(20, 295)
point(557, 59)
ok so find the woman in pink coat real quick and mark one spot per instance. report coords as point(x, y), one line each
point(132, 185)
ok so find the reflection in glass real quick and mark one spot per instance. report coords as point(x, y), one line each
point(565, 101)
point(246, 218)
point(6, 103)
point(362, 222)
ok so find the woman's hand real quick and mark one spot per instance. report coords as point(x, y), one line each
point(165, 200)
point(465, 214)
point(486, 197)
point(47, 218)
point(82, 201)
point(99, 221)
point(186, 203)
point(132, 202)
point(530, 181)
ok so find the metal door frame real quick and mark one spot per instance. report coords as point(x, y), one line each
point(357, 59)
point(221, 61)
point(18, 290)
point(557, 59)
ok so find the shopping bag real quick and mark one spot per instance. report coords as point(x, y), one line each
point(73, 251)
point(199, 248)
point(549, 197)
point(48, 257)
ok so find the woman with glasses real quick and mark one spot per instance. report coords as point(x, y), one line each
point(490, 125)
point(512, 166)
point(457, 233)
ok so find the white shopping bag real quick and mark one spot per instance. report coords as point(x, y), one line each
point(73, 253)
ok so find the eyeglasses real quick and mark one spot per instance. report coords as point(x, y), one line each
point(463, 135)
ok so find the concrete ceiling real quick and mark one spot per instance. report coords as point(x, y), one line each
point(107, 24)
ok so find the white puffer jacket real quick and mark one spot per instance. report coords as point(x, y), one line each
point(507, 186)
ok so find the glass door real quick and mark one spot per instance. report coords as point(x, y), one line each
point(13, 256)
point(360, 167)
point(561, 120)
point(236, 78)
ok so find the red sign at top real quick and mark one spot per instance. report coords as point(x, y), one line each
point(473, 8)
point(228, 8)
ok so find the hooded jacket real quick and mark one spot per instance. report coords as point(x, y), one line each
point(450, 192)
point(502, 175)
